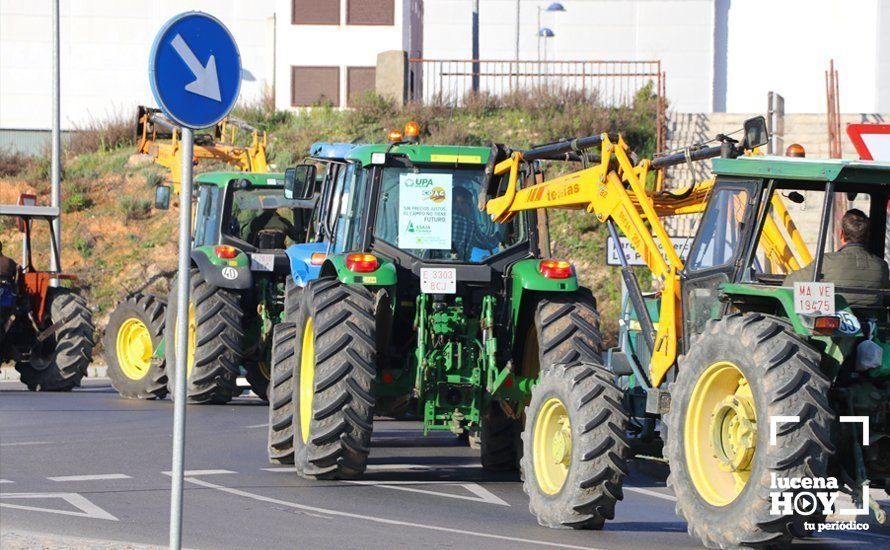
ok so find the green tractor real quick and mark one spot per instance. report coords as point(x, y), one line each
point(242, 225)
point(764, 397)
point(423, 297)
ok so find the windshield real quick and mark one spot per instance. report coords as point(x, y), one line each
point(433, 214)
point(265, 219)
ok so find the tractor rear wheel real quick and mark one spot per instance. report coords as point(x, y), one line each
point(561, 329)
point(575, 448)
point(60, 361)
point(739, 373)
point(281, 394)
point(336, 365)
point(214, 348)
point(135, 329)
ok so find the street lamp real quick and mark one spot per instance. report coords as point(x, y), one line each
point(553, 7)
point(544, 33)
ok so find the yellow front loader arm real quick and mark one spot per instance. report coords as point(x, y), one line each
point(159, 138)
point(615, 192)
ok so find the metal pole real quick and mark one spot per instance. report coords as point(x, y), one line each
point(475, 46)
point(517, 31)
point(182, 307)
point(56, 167)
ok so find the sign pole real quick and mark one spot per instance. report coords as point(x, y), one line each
point(56, 166)
point(182, 328)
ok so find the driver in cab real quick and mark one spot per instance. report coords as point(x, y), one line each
point(851, 266)
point(465, 234)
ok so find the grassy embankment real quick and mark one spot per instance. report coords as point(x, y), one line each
point(114, 241)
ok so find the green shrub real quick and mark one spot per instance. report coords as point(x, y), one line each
point(153, 178)
point(84, 243)
point(135, 209)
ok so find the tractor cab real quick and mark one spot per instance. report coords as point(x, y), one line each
point(748, 253)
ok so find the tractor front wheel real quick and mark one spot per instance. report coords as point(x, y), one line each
point(336, 365)
point(281, 394)
point(135, 329)
point(59, 361)
point(574, 447)
point(214, 350)
point(743, 371)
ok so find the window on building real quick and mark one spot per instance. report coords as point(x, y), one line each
point(359, 81)
point(315, 86)
point(315, 12)
point(370, 12)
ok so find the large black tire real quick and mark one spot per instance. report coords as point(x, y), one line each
point(219, 338)
point(60, 362)
point(562, 328)
point(597, 462)
point(783, 374)
point(258, 373)
point(338, 321)
point(140, 312)
point(281, 394)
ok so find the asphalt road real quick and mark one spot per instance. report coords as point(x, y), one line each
point(92, 465)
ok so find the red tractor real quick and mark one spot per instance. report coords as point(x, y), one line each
point(46, 330)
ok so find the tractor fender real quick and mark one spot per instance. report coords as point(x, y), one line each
point(234, 273)
point(527, 280)
point(384, 275)
point(300, 257)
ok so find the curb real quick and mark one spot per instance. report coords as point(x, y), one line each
point(10, 374)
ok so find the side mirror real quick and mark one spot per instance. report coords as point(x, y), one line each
point(756, 133)
point(162, 197)
point(299, 181)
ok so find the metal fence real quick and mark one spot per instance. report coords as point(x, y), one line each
point(612, 83)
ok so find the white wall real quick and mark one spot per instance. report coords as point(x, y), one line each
point(105, 46)
point(785, 46)
point(677, 32)
point(329, 45)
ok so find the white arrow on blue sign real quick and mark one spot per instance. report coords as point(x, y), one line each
point(195, 70)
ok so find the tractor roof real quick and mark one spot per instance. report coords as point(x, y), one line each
point(424, 154)
point(333, 151)
point(222, 179)
point(838, 170)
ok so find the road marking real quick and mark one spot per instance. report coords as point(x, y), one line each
point(202, 472)
point(424, 467)
point(385, 521)
point(482, 494)
point(263, 425)
point(87, 508)
point(279, 470)
point(655, 494)
point(23, 443)
point(6, 481)
point(89, 477)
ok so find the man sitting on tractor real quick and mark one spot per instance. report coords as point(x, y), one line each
point(465, 232)
point(852, 265)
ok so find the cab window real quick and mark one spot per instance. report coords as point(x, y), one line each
point(719, 235)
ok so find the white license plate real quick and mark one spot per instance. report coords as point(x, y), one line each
point(262, 262)
point(438, 280)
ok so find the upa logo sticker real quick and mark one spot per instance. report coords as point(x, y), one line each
point(436, 194)
point(425, 211)
point(230, 273)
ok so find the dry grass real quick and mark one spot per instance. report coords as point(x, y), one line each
point(102, 135)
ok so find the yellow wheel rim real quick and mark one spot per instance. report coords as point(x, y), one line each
point(307, 378)
point(552, 446)
point(720, 433)
point(190, 352)
point(133, 347)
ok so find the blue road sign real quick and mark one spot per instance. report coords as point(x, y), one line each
point(195, 70)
